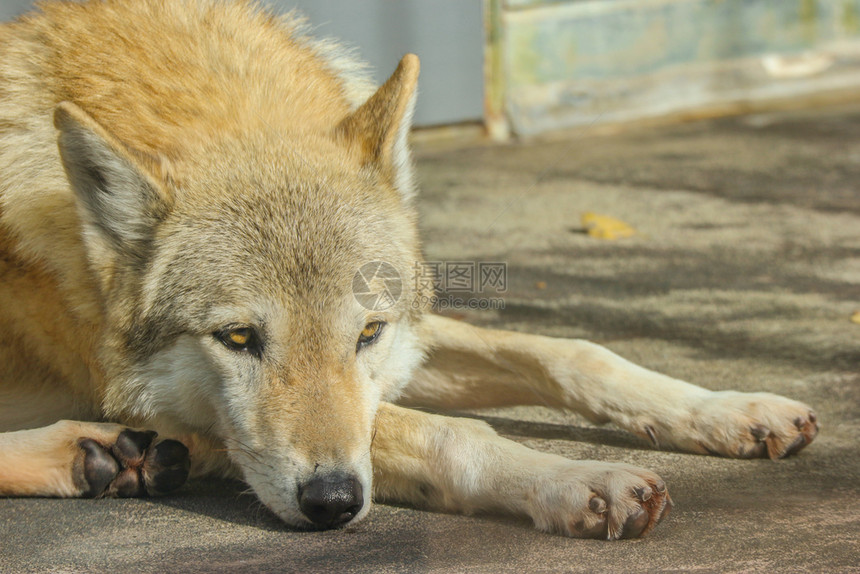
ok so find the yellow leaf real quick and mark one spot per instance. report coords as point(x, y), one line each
point(605, 227)
point(855, 317)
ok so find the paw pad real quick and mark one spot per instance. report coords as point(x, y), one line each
point(132, 466)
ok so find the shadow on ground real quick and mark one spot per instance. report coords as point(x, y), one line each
point(744, 274)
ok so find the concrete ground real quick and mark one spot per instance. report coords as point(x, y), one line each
point(744, 275)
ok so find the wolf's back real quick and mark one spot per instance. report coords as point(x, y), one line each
point(161, 73)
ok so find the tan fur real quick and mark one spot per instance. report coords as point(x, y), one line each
point(38, 462)
point(174, 169)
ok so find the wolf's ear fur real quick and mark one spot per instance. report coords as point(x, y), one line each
point(121, 201)
point(380, 127)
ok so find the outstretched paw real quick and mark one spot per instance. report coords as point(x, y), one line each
point(132, 466)
point(753, 425)
point(601, 500)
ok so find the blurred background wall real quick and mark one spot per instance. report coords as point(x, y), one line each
point(446, 34)
point(528, 66)
point(571, 62)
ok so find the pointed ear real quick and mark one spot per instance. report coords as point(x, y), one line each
point(380, 127)
point(119, 199)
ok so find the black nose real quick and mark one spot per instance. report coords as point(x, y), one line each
point(331, 500)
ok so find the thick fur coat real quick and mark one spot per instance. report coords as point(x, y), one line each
point(187, 190)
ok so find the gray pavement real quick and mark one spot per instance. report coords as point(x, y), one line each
point(744, 275)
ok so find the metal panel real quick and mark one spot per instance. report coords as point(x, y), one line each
point(446, 34)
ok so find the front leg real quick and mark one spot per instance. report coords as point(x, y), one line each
point(462, 465)
point(85, 459)
point(472, 367)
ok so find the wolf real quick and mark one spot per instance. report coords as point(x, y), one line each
point(187, 191)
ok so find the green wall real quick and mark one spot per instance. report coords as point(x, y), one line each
point(567, 62)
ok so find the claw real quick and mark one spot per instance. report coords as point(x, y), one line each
point(760, 432)
point(635, 524)
point(643, 493)
point(667, 507)
point(658, 508)
point(794, 447)
point(649, 430)
point(597, 505)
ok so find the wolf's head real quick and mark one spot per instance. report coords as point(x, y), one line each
point(257, 289)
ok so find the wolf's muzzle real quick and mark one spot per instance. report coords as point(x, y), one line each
point(331, 500)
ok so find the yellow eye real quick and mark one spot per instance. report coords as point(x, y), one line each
point(243, 339)
point(239, 337)
point(369, 334)
point(371, 329)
